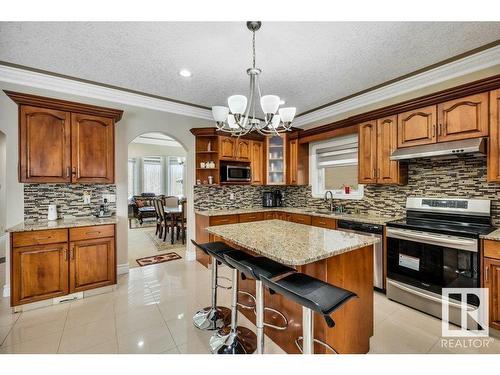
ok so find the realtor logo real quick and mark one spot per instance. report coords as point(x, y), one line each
point(473, 319)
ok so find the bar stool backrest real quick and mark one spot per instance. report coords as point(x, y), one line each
point(171, 202)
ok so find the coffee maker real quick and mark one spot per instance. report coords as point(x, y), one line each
point(272, 198)
point(278, 198)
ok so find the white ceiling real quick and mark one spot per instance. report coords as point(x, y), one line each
point(307, 64)
point(156, 139)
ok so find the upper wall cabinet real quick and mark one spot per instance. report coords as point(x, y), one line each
point(92, 142)
point(63, 142)
point(367, 153)
point(463, 118)
point(417, 127)
point(257, 162)
point(44, 145)
point(494, 141)
point(298, 162)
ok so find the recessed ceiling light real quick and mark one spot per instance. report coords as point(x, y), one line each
point(282, 102)
point(185, 73)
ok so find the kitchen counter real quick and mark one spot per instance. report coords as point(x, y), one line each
point(364, 218)
point(291, 243)
point(62, 223)
point(494, 236)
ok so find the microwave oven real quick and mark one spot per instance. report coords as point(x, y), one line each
point(235, 173)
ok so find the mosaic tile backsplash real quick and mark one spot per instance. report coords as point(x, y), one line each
point(453, 178)
point(67, 197)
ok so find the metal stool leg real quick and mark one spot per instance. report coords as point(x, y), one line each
point(259, 319)
point(307, 331)
point(213, 317)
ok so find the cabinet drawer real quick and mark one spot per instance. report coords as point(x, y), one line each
point(256, 216)
point(39, 237)
point(224, 219)
point(492, 249)
point(269, 215)
point(324, 222)
point(301, 219)
point(87, 233)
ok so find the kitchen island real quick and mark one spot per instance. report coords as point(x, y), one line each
point(340, 258)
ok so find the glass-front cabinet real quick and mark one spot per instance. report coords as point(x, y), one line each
point(276, 160)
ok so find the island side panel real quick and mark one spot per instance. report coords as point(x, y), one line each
point(202, 236)
point(354, 320)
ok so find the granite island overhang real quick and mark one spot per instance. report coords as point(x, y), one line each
point(340, 258)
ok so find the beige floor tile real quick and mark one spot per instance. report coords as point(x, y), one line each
point(194, 347)
point(138, 320)
point(172, 351)
point(107, 347)
point(181, 307)
point(151, 340)
point(43, 345)
point(25, 331)
point(184, 332)
point(86, 336)
point(8, 319)
point(4, 331)
point(83, 314)
point(45, 314)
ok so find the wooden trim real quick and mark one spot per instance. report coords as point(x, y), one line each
point(63, 105)
point(336, 131)
point(476, 87)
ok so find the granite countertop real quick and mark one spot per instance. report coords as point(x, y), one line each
point(291, 243)
point(62, 223)
point(495, 235)
point(364, 218)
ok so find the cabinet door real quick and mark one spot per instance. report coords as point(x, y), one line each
point(257, 162)
point(417, 127)
point(44, 145)
point(463, 118)
point(494, 140)
point(93, 153)
point(293, 162)
point(388, 171)
point(39, 272)
point(92, 264)
point(243, 150)
point(226, 148)
point(492, 282)
point(367, 163)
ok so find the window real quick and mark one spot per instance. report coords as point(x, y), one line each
point(152, 175)
point(334, 165)
point(131, 177)
point(176, 175)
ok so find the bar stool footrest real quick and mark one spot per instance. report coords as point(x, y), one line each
point(247, 307)
point(322, 343)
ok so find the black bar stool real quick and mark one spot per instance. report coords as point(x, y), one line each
point(314, 295)
point(255, 268)
point(213, 317)
point(234, 339)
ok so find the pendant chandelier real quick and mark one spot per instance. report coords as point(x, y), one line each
point(239, 117)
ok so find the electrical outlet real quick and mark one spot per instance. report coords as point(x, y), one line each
point(111, 198)
point(86, 197)
point(231, 196)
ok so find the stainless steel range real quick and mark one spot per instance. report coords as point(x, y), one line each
point(436, 246)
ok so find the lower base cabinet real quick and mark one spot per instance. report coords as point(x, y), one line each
point(491, 279)
point(42, 270)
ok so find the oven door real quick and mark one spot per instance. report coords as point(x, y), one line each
point(432, 261)
point(238, 173)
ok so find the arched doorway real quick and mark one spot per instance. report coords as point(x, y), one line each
point(156, 170)
point(3, 210)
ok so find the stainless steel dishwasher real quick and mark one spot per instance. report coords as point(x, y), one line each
point(369, 230)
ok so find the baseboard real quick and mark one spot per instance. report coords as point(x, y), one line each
point(122, 269)
point(6, 290)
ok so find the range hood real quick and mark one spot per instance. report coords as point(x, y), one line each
point(475, 146)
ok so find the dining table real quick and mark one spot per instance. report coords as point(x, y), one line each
point(172, 214)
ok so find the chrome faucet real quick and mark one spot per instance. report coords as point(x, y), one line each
point(331, 199)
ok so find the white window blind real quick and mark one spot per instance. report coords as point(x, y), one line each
point(340, 152)
point(152, 175)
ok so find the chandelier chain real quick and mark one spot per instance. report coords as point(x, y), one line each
point(253, 45)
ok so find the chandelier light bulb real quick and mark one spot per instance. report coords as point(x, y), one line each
point(232, 122)
point(275, 122)
point(270, 104)
point(220, 113)
point(287, 114)
point(237, 104)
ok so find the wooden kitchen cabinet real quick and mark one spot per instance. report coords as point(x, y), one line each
point(494, 139)
point(463, 118)
point(92, 264)
point(298, 163)
point(243, 150)
point(39, 272)
point(492, 282)
point(257, 162)
point(92, 149)
point(367, 153)
point(44, 145)
point(300, 219)
point(227, 148)
point(63, 142)
point(324, 222)
point(55, 262)
point(253, 216)
point(417, 127)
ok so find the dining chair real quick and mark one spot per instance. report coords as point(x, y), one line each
point(171, 202)
point(182, 223)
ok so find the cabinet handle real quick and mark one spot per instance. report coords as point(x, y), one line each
point(65, 254)
point(440, 129)
point(433, 130)
point(486, 269)
point(94, 232)
point(72, 252)
point(68, 172)
point(43, 238)
point(73, 170)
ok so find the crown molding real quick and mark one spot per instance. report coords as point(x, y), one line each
point(470, 64)
point(69, 86)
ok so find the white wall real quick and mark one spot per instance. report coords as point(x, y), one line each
point(135, 121)
point(136, 150)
